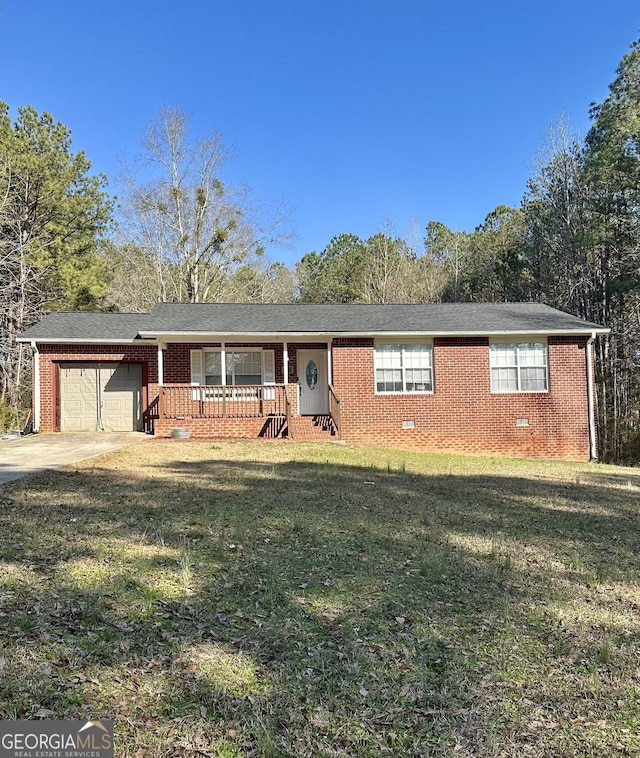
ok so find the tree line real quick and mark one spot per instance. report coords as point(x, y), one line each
point(178, 233)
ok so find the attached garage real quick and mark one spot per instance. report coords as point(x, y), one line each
point(100, 396)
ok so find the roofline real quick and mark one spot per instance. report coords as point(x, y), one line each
point(153, 338)
point(82, 341)
point(198, 335)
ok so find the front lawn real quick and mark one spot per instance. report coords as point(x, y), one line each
point(282, 599)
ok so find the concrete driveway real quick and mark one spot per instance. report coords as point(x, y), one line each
point(37, 452)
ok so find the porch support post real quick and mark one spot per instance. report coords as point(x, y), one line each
point(285, 361)
point(223, 376)
point(329, 372)
point(161, 347)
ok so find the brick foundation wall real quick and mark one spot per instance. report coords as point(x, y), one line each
point(240, 428)
point(462, 414)
point(51, 356)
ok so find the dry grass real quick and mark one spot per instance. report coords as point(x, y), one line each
point(281, 599)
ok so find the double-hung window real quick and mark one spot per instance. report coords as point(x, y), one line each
point(519, 367)
point(243, 367)
point(404, 368)
point(212, 368)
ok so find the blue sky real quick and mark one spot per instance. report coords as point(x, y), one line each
point(355, 112)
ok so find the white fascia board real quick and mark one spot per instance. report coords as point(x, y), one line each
point(503, 333)
point(78, 341)
point(522, 332)
point(187, 337)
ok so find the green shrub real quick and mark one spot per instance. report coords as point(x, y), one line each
point(8, 417)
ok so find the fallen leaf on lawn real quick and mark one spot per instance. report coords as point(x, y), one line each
point(43, 713)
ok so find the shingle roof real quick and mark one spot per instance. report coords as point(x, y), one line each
point(273, 319)
point(86, 327)
point(433, 318)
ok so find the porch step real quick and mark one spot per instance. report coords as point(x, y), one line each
point(312, 428)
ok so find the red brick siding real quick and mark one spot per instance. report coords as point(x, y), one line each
point(292, 394)
point(52, 355)
point(462, 414)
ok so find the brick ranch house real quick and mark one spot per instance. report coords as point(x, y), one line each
point(512, 379)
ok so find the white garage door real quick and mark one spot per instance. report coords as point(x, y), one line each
point(100, 396)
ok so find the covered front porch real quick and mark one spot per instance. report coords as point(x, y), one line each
point(268, 411)
point(244, 389)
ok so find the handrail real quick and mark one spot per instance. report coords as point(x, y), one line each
point(334, 410)
point(151, 414)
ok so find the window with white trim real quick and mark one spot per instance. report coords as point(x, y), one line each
point(404, 368)
point(519, 367)
point(242, 367)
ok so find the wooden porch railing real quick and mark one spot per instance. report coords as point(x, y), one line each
point(334, 411)
point(150, 416)
point(183, 401)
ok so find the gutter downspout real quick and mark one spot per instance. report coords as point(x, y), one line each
point(36, 386)
point(593, 449)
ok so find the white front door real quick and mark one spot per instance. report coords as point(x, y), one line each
point(313, 382)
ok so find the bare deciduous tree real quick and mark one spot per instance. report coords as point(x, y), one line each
point(195, 229)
